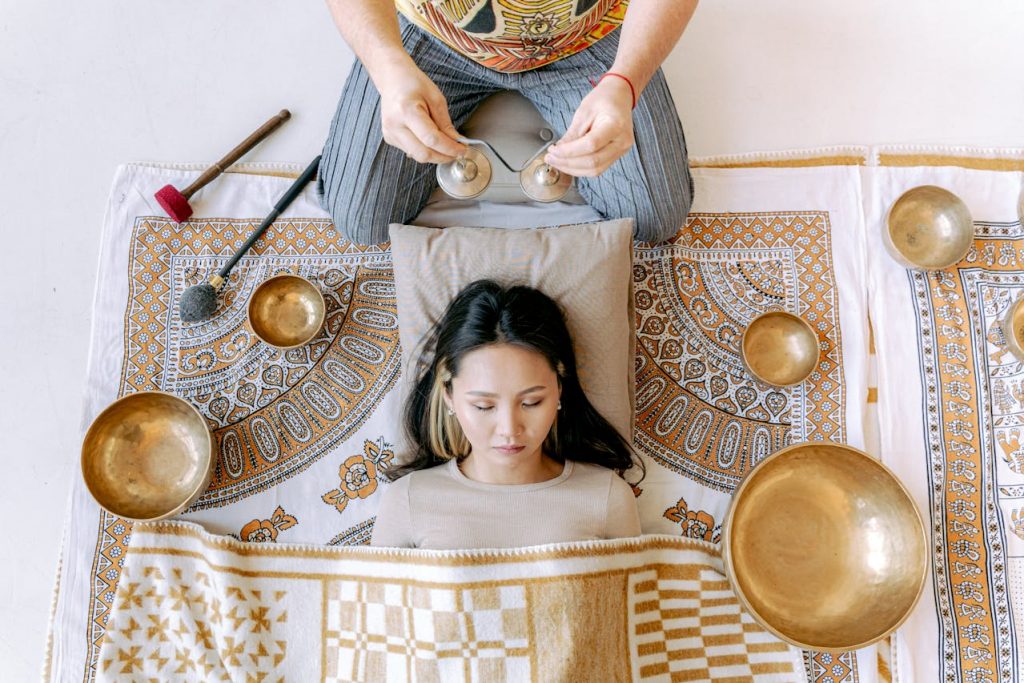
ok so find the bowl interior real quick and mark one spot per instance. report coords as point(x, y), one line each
point(286, 311)
point(825, 547)
point(780, 348)
point(146, 455)
point(930, 227)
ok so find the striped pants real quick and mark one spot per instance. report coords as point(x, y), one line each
point(365, 184)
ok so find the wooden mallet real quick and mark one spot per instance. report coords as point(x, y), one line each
point(175, 202)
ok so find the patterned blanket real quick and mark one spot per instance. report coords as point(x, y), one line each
point(194, 606)
point(951, 415)
point(304, 435)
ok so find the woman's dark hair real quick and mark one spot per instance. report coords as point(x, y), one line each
point(486, 313)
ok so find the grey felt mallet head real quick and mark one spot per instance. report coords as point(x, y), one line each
point(199, 302)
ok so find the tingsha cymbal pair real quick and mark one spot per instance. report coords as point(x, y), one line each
point(469, 175)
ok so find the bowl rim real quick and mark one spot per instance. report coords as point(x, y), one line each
point(898, 255)
point(1008, 333)
point(730, 569)
point(211, 459)
point(281, 276)
point(794, 316)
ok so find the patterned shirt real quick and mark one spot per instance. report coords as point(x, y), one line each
point(516, 35)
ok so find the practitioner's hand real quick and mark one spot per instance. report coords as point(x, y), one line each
point(414, 117)
point(601, 131)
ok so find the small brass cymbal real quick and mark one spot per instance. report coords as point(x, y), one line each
point(466, 177)
point(928, 228)
point(542, 182)
point(780, 349)
point(286, 311)
point(147, 456)
point(824, 547)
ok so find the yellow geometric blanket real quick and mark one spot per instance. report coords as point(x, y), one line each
point(194, 606)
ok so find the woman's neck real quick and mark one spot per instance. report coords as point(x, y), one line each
point(534, 471)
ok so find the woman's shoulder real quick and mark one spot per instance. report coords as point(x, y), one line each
point(428, 477)
point(589, 473)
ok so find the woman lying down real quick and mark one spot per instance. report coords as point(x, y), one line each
point(509, 451)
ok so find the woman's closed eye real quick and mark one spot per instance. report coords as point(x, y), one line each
point(526, 404)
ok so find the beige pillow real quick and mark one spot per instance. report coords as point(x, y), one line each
point(586, 268)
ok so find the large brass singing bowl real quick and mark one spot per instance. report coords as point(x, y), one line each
point(780, 349)
point(1013, 329)
point(147, 456)
point(824, 547)
point(286, 311)
point(928, 228)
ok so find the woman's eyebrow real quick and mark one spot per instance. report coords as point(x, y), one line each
point(487, 394)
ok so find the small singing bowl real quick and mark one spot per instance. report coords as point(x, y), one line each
point(824, 547)
point(286, 311)
point(780, 349)
point(147, 456)
point(928, 228)
point(1013, 329)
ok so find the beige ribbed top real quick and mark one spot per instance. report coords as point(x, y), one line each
point(440, 508)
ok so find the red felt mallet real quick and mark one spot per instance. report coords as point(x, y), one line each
point(175, 202)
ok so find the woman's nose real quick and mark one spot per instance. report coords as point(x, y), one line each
point(509, 424)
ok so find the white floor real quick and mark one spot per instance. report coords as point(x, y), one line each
point(86, 86)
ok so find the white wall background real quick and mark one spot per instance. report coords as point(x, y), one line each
point(85, 86)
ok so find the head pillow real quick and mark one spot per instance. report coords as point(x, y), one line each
point(586, 268)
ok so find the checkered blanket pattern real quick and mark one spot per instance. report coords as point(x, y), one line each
point(195, 606)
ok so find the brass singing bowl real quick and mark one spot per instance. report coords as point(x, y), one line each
point(147, 456)
point(824, 547)
point(928, 228)
point(780, 349)
point(1013, 329)
point(286, 311)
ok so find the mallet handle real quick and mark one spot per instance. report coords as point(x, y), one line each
point(287, 198)
point(257, 136)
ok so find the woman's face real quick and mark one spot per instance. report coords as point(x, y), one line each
point(505, 398)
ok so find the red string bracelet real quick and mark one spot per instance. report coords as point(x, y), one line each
point(632, 90)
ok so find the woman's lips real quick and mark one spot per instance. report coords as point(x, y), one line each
point(509, 450)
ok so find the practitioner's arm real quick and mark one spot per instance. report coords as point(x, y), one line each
point(602, 128)
point(414, 113)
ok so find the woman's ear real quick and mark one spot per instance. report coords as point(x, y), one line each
point(448, 400)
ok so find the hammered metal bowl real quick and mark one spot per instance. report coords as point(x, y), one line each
point(928, 228)
point(780, 349)
point(1013, 329)
point(824, 547)
point(286, 311)
point(147, 456)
